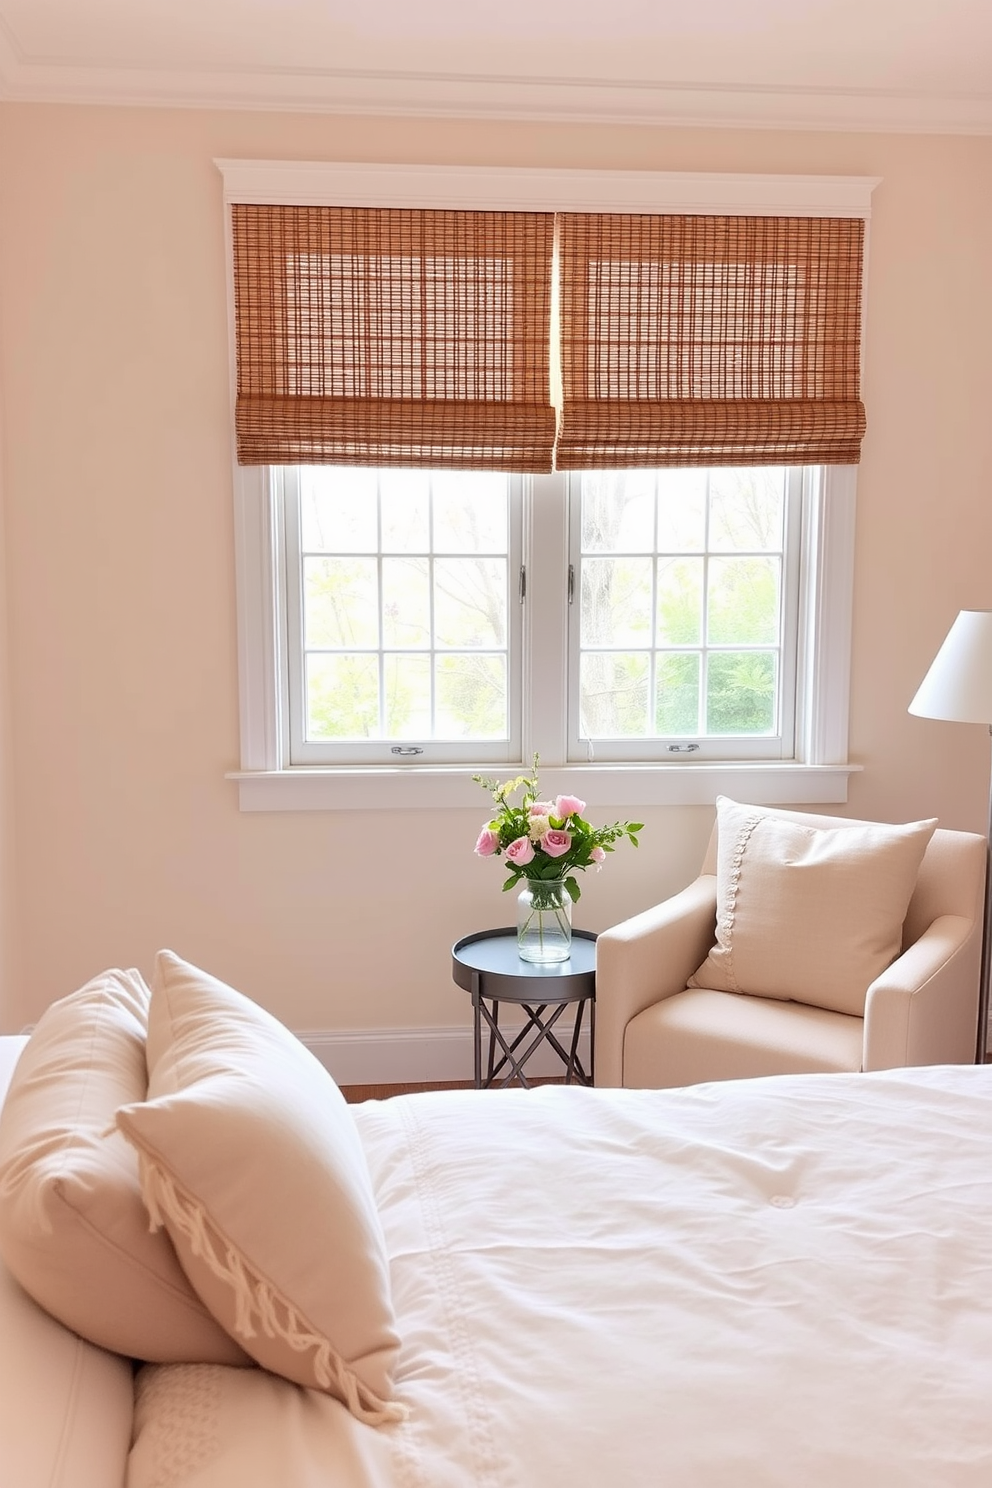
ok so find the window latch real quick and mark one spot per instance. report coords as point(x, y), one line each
point(571, 583)
point(405, 749)
point(682, 748)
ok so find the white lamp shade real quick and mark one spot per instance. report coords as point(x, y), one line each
point(958, 685)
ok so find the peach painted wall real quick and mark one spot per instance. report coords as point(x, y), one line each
point(120, 609)
point(8, 950)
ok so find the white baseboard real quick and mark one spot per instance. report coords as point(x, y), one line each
point(402, 1056)
point(399, 1056)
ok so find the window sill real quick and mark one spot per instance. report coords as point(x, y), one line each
point(414, 787)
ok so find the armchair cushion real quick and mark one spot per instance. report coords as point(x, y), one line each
point(808, 914)
point(701, 1035)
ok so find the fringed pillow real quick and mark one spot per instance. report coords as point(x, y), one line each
point(251, 1161)
point(73, 1228)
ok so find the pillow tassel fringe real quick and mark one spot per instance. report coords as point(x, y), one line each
point(255, 1298)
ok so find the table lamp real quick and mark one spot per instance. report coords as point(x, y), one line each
point(958, 687)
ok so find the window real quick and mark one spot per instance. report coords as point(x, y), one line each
point(403, 615)
point(405, 595)
point(684, 613)
point(400, 617)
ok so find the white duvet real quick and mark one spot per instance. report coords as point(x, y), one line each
point(771, 1282)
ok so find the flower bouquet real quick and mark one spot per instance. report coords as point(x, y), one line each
point(545, 843)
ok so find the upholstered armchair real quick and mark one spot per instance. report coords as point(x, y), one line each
point(678, 988)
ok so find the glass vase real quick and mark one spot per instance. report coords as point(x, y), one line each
point(544, 920)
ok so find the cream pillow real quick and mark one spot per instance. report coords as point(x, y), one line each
point(808, 914)
point(251, 1160)
point(73, 1227)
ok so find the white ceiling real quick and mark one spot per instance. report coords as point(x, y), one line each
point(830, 64)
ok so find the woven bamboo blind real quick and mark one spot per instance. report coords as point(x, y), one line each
point(393, 337)
point(709, 340)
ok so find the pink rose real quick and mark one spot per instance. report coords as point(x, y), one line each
point(488, 842)
point(542, 808)
point(567, 806)
point(555, 843)
point(520, 852)
point(597, 854)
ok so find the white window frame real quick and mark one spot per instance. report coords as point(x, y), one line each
point(820, 770)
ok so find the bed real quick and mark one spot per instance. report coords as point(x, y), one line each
point(762, 1282)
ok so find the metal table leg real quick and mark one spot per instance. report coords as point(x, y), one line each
point(477, 1027)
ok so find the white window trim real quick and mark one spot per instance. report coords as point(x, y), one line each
point(820, 771)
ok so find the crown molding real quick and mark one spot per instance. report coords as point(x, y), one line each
point(562, 100)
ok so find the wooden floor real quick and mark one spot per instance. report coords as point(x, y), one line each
point(383, 1092)
point(356, 1093)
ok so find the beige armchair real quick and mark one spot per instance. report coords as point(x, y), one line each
point(654, 1031)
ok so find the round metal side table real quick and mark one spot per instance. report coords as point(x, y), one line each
point(488, 966)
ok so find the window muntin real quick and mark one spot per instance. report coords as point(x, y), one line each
point(403, 631)
point(684, 619)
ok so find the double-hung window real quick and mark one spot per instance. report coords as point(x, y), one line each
point(519, 476)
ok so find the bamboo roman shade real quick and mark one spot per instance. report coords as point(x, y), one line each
point(709, 340)
point(393, 337)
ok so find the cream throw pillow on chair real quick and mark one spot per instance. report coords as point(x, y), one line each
point(808, 914)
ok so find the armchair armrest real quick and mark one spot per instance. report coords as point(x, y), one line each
point(923, 1009)
point(644, 959)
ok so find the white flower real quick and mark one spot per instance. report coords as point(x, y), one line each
point(538, 826)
